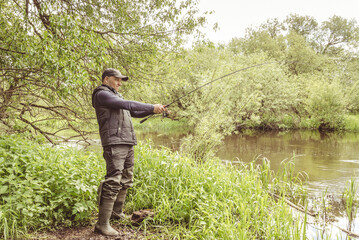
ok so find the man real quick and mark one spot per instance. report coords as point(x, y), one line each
point(117, 139)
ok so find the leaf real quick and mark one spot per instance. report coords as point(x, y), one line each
point(3, 189)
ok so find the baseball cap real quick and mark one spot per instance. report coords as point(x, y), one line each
point(113, 72)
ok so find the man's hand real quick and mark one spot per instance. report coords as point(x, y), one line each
point(159, 108)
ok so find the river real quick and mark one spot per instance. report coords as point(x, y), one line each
point(330, 159)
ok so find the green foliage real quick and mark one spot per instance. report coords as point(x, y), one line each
point(161, 125)
point(262, 41)
point(303, 87)
point(305, 26)
point(336, 32)
point(325, 104)
point(211, 200)
point(44, 186)
point(207, 134)
point(349, 199)
point(351, 123)
point(350, 82)
point(300, 56)
point(53, 53)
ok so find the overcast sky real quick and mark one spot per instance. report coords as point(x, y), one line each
point(234, 16)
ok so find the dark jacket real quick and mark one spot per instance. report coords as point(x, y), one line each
point(114, 116)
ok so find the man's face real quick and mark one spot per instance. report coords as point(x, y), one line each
point(113, 82)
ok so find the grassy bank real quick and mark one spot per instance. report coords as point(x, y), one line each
point(42, 187)
point(351, 123)
point(212, 200)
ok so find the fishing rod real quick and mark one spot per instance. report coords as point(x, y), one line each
point(196, 89)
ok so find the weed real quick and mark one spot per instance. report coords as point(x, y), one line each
point(349, 199)
point(43, 186)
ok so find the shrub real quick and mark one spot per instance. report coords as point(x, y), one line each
point(42, 186)
point(325, 104)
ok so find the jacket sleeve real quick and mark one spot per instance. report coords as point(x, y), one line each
point(140, 114)
point(109, 100)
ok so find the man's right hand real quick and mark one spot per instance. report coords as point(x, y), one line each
point(159, 108)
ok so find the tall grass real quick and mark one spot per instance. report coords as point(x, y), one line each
point(349, 200)
point(43, 187)
point(351, 123)
point(210, 200)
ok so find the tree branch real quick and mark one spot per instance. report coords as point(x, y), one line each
point(8, 50)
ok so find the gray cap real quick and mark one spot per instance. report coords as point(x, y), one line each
point(113, 72)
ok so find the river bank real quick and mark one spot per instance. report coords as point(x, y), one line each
point(350, 124)
point(47, 188)
point(190, 199)
point(327, 160)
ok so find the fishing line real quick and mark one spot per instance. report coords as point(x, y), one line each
point(208, 83)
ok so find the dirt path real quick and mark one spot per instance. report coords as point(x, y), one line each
point(129, 230)
point(87, 233)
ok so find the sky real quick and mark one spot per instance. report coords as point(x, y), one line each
point(234, 16)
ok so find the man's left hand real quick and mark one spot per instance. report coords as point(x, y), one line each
point(159, 108)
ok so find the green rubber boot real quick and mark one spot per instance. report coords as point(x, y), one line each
point(117, 212)
point(103, 224)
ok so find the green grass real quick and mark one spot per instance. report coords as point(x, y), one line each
point(349, 198)
point(162, 125)
point(351, 123)
point(45, 187)
point(211, 200)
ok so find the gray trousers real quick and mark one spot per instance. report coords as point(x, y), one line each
point(119, 170)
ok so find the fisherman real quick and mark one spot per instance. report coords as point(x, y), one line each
point(117, 139)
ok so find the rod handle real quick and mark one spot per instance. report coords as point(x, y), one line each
point(145, 119)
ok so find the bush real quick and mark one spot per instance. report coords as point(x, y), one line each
point(42, 186)
point(351, 123)
point(325, 104)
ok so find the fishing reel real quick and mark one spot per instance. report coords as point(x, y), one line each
point(165, 114)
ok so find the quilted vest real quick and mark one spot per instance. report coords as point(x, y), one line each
point(115, 126)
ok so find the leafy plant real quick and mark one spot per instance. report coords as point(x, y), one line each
point(44, 186)
point(53, 54)
point(325, 104)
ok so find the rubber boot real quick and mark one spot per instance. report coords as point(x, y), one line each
point(103, 224)
point(117, 212)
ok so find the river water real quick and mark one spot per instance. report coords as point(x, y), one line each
point(329, 159)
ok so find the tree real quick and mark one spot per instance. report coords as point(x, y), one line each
point(337, 33)
point(305, 26)
point(52, 54)
point(300, 57)
point(302, 25)
point(302, 87)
